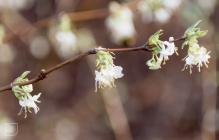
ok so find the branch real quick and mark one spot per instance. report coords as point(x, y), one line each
point(43, 73)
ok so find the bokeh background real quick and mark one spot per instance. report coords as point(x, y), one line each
point(165, 104)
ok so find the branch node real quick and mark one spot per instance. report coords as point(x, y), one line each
point(147, 47)
point(93, 51)
point(42, 74)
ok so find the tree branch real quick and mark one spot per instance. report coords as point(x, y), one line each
point(43, 73)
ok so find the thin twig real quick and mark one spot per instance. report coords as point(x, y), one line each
point(43, 73)
point(75, 16)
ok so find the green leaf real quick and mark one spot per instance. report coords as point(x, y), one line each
point(192, 34)
point(193, 26)
point(104, 59)
point(202, 33)
point(20, 91)
point(154, 39)
point(24, 74)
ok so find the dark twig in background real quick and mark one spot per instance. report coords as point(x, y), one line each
point(75, 16)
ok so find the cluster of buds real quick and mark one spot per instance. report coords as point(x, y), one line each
point(22, 93)
point(107, 71)
point(120, 24)
point(157, 10)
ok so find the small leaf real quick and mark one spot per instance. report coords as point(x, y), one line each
point(202, 33)
point(193, 26)
point(192, 34)
point(24, 74)
point(154, 39)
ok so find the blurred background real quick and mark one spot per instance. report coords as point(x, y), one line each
point(166, 104)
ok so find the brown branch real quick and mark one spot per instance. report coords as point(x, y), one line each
point(43, 73)
point(86, 15)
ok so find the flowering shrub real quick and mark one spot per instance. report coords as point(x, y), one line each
point(107, 72)
point(121, 26)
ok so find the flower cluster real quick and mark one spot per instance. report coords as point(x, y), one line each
point(120, 23)
point(26, 100)
point(106, 72)
point(161, 50)
point(157, 10)
point(197, 55)
point(64, 39)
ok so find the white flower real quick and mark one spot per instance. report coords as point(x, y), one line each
point(67, 43)
point(7, 53)
point(120, 23)
point(157, 10)
point(66, 38)
point(196, 56)
point(106, 76)
point(168, 48)
point(145, 10)
point(40, 47)
point(16, 4)
point(106, 72)
point(155, 64)
point(27, 102)
point(7, 129)
point(22, 93)
point(172, 4)
point(162, 15)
